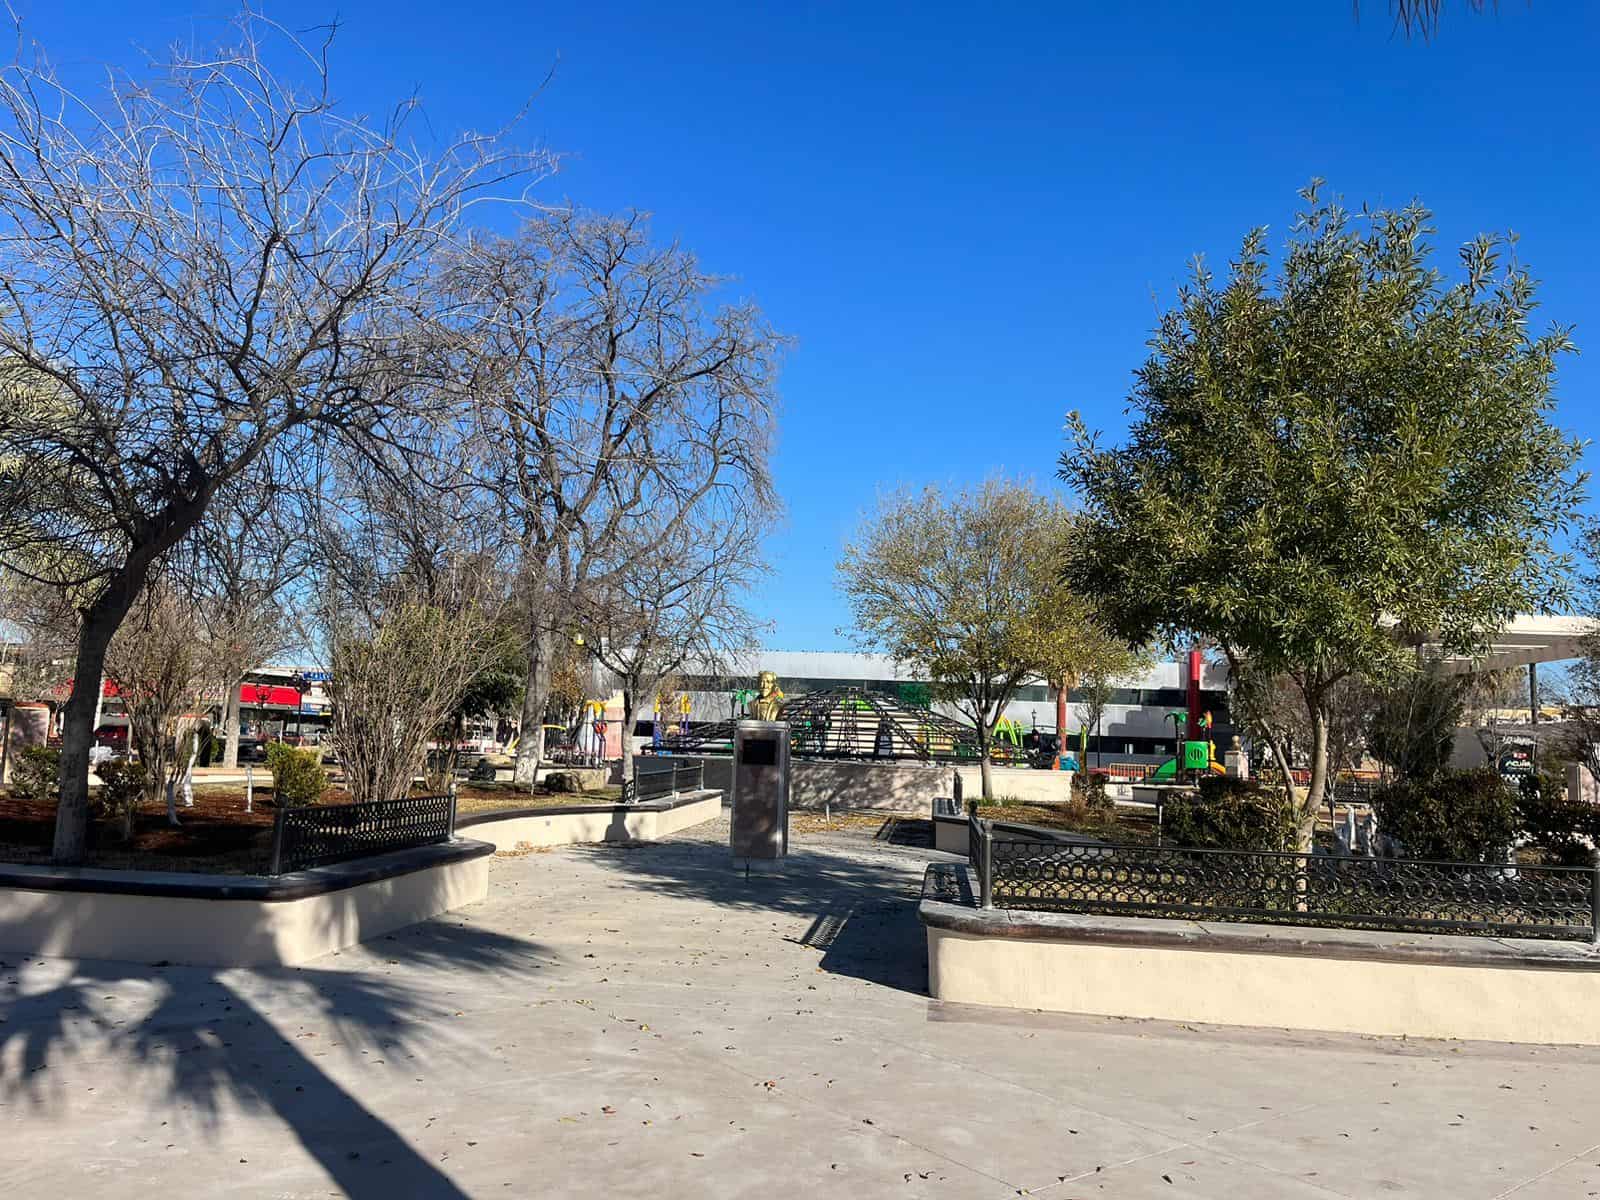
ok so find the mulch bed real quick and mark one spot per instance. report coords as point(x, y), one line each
point(215, 835)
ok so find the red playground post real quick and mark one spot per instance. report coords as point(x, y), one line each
point(1193, 732)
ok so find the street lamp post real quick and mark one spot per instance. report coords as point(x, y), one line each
point(301, 685)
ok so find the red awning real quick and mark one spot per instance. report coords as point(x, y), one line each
point(108, 690)
point(262, 695)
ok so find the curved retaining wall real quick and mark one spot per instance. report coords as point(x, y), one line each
point(1347, 981)
point(593, 822)
point(234, 920)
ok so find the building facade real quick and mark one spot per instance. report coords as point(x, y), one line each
point(1135, 726)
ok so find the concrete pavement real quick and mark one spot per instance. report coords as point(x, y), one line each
point(643, 1021)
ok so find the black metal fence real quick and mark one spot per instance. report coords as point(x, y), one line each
point(1352, 791)
point(1491, 899)
point(663, 778)
point(321, 834)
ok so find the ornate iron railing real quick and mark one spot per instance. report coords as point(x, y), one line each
point(322, 834)
point(1294, 889)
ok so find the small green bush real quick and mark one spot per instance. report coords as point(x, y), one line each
point(121, 784)
point(36, 773)
point(1457, 816)
point(1230, 814)
point(297, 775)
point(562, 781)
point(1555, 824)
point(121, 789)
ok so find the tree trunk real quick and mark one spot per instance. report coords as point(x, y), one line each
point(1061, 726)
point(230, 727)
point(630, 717)
point(984, 766)
point(1282, 759)
point(77, 728)
point(535, 698)
point(5, 742)
point(188, 772)
point(1319, 774)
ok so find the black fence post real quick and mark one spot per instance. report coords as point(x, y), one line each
point(450, 831)
point(986, 872)
point(277, 842)
point(1594, 898)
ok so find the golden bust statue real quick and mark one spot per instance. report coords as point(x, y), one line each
point(769, 704)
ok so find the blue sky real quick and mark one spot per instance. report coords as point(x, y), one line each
point(968, 217)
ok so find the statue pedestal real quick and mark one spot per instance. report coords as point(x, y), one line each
point(759, 831)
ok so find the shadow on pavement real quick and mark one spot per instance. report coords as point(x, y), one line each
point(212, 1042)
point(863, 913)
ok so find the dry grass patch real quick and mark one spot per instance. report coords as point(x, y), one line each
point(1111, 825)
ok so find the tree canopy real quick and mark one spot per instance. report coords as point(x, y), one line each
point(969, 586)
point(1328, 465)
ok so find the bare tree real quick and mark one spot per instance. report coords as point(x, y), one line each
point(607, 389)
point(38, 628)
point(205, 262)
point(415, 597)
point(1420, 17)
point(667, 603)
point(242, 563)
point(1486, 697)
point(1105, 662)
point(164, 669)
point(1414, 721)
point(399, 664)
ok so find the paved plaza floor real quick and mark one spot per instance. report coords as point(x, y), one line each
point(645, 1022)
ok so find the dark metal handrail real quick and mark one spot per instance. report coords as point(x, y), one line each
point(663, 778)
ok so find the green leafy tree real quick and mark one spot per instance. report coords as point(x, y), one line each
point(1325, 467)
point(970, 588)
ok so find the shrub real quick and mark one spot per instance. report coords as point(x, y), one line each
point(562, 781)
point(297, 775)
point(1230, 814)
point(1457, 816)
point(36, 773)
point(1555, 824)
point(121, 789)
point(1094, 793)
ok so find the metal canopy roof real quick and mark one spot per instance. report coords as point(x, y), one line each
point(1526, 640)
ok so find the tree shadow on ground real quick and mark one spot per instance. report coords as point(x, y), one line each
point(213, 1038)
point(863, 910)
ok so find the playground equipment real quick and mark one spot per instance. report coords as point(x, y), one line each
point(1198, 755)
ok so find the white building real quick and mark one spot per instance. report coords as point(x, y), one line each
point(1134, 727)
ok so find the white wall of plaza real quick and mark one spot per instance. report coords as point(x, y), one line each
point(1160, 688)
